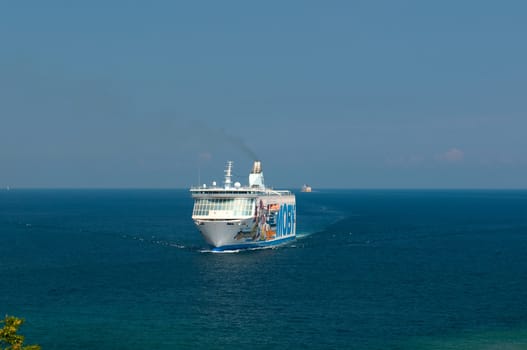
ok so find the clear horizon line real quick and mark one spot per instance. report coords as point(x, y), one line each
point(295, 189)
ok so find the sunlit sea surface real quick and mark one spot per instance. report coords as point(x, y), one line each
point(126, 269)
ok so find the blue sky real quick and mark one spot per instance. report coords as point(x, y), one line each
point(358, 94)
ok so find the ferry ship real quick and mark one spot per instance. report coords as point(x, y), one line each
point(232, 216)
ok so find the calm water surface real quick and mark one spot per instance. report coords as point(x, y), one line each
point(126, 269)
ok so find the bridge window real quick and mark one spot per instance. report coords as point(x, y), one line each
point(231, 206)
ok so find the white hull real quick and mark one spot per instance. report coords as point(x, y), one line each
point(238, 234)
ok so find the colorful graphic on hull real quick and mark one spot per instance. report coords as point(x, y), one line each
point(270, 222)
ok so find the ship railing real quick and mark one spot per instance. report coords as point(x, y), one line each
point(241, 190)
point(280, 192)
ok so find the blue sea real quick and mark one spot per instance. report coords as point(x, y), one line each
point(370, 269)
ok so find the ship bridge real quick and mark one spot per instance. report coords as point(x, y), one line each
point(231, 201)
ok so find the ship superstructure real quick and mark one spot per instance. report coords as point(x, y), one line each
point(233, 216)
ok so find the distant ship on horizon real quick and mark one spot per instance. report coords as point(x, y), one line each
point(306, 188)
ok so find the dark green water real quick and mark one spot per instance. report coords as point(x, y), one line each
point(123, 269)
